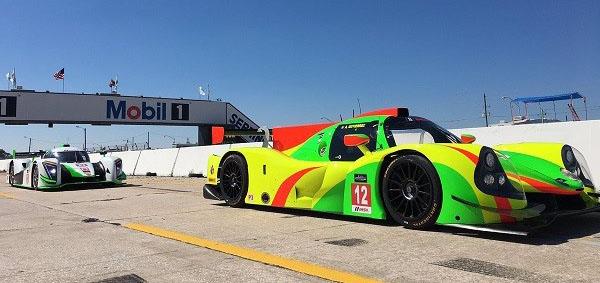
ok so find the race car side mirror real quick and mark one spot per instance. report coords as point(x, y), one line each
point(467, 138)
point(218, 134)
point(359, 141)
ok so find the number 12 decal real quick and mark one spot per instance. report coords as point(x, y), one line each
point(361, 198)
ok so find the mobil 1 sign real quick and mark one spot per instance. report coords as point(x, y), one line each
point(120, 110)
point(40, 107)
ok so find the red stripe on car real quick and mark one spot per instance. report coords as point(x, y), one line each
point(545, 187)
point(468, 154)
point(287, 185)
point(504, 204)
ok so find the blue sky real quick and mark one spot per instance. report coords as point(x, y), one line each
point(292, 62)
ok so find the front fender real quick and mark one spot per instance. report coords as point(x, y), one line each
point(455, 165)
point(539, 166)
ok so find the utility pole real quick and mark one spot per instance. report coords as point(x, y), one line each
point(29, 144)
point(485, 111)
point(84, 137)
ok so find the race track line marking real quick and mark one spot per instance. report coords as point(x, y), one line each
point(291, 264)
point(7, 196)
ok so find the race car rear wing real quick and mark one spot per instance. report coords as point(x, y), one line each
point(16, 154)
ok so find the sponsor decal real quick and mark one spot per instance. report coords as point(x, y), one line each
point(362, 178)
point(240, 124)
point(353, 126)
point(84, 168)
point(158, 112)
point(250, 197)
point(322, 148)
point(212, 169)
point(212, 180)
point(361, 198)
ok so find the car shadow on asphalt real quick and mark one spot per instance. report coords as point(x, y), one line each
point(84, 187)
point(290, 213)
point(560, 231)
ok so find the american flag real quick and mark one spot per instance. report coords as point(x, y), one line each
point(60, 75)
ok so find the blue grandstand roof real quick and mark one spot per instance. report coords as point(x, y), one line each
point(566, 96)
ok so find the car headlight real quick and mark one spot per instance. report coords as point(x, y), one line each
point(490, 176)
point(50, 169)
point(490, 160)
point(575, 163)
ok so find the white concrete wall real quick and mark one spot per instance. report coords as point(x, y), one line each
point(159, 161)
point(4, 165)
point(194, 159)
point(130, 159)
point(583, 135)
point(95, 157)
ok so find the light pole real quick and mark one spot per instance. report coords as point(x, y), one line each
point(29, 144)
point(174, 144)
point(84, 137)
point(325, 118)
point(126, 144)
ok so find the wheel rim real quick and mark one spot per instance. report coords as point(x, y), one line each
point(232, 181)
point(409, 190)
point(35, 177)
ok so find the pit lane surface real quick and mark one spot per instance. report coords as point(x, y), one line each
point(82, 236)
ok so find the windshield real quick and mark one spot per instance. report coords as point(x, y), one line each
point(416, 130)
point(72, 156)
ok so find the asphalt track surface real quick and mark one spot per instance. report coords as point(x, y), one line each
point(163, 230)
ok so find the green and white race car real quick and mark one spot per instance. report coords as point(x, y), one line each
point(63, 166)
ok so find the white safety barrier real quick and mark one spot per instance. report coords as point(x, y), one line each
point(583, 135)
point(194, 160)
point(159, 161)
point(95, 157)
point(129, 158)
point(4, 165)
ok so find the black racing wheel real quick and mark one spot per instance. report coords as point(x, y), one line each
point(412, 192)
point(35, 177)
point(11, 174)
point(234, 180)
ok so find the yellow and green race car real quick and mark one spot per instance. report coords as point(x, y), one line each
point(386, 163)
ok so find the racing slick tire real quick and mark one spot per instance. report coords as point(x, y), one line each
point(234, 180)
point(412, 191)
point(11, 174)
point(35, 177)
